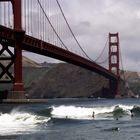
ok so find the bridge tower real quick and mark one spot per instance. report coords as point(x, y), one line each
point(18, 90)
point(114, 66)
point(16, 58)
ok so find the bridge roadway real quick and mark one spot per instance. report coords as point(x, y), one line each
point(40, 47)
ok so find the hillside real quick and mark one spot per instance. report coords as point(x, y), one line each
point(65, 80)
point(29, 63)
point(133, 81)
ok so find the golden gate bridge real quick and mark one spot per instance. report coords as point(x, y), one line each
point(34, 26)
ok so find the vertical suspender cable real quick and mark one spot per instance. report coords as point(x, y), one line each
point(1, 13)
point(4, 14)
point(47, 26)
point(53, 20)
point(44, 21)
point(40, 23)
point(99, 56)
point(28, 15)
point(31, 16)
point(12, 17)
point(35, 23)
point(43, 24)
point(48, 10)
point(51, 24)
point(57, 25)
point(9, 14)
point(50, 16)
point(6, 18)
point(122, 66)
point(25, 15)
point(38, 19)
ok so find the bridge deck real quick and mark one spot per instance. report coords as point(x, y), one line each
point(40, 47)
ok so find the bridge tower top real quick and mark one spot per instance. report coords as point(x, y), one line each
point(114, 53)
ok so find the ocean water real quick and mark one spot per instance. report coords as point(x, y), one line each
point(72, 119)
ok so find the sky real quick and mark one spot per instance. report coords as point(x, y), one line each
point(94, 19)
point(91, 22)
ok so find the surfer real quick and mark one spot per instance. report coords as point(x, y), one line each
point(117, 118)
point(116, 129)
point(113, 129)
point(132, 113)
point(134, 110)
point(93, 114)
point(117, 112)
point(117, 107)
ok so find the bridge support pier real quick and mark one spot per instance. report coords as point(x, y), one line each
point(18, 88)
point(113, 85)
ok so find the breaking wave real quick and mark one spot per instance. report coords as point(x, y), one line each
point(73, 112)
point(16, 122)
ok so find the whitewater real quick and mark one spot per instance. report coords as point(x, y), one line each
point(71, 119)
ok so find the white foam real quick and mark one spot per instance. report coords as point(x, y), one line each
point(19, 121)
point(74, 112)
point(126, 107)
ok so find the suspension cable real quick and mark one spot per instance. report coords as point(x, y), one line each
point(4, 14)
point(99, 56)
point(1, 13)
point(31, 6)
point(8, 14)
point(105, 60)
point(72, 31)
point(51, 24)
point(122, 65)
point(25, 15)
point(123, 74)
